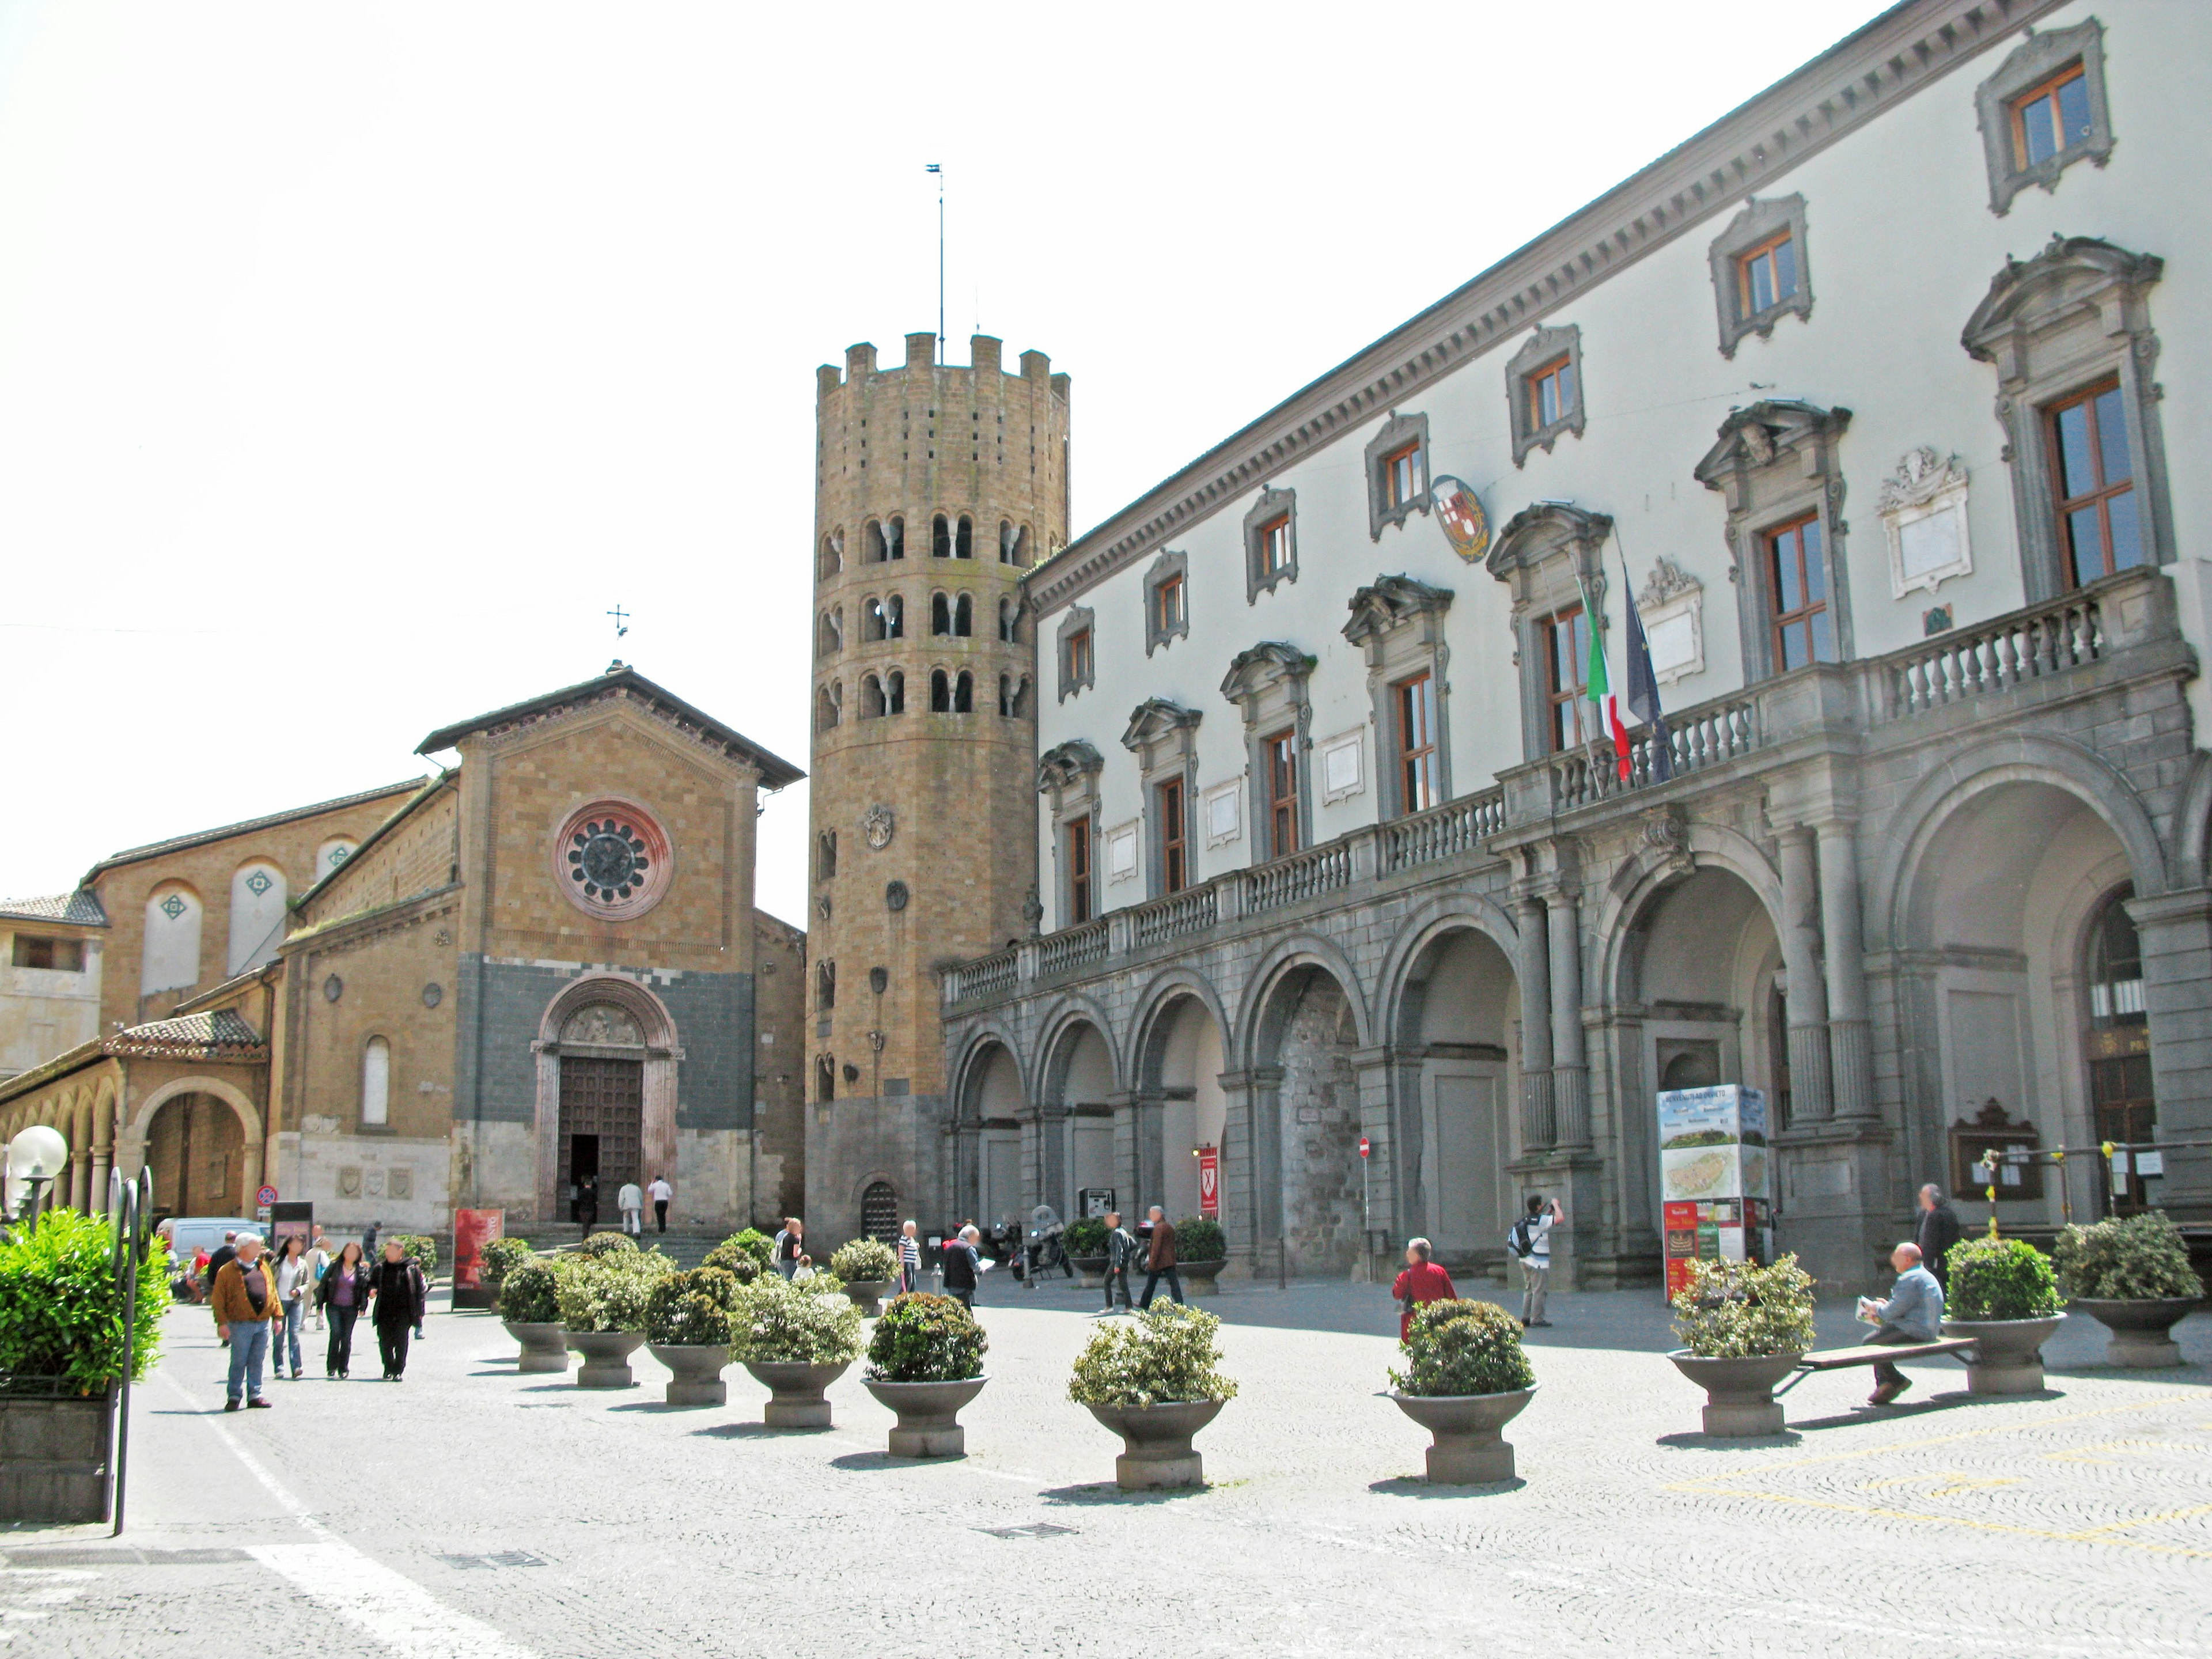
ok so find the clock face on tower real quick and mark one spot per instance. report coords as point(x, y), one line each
point(612, 859)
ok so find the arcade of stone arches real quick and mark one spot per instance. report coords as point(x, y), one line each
point(201, 1135)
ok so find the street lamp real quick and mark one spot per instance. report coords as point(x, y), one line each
point(35, 1158)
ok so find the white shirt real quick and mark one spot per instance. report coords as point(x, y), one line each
point(629, 1198)
point(661, 1191)
point(1540, 1239)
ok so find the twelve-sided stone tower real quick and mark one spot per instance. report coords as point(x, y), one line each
point(936, 488)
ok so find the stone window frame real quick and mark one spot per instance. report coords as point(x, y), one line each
point(1397, 432)
point(1775, 463)
point(1550, 555)
point(1067, 776)
point(2075, 314)
point(1170, 566)
point(1398, 624)
point(1543, 347)
point(1163, 735)
point(1079, 619)
point(2034, 61)
point(1760, 222)
point(1273, 504)
point(1269, 685)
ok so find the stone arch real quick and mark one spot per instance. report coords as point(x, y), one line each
point(1298, 951)
point(1157, 997)
point(1179, 1049)
point(987, 1178)
point(1067, 1126)
point(2192, 830)
point(1650, 871)
point(1448, 913)
point(660, 1053)
point(131, 1143)
point(976, 1054)
point(1072, 1009)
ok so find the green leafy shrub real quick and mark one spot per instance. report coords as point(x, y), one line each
point(1460, 1348)
point(1162, 1356)
point(926, 1339)
point(691, 1308)
point(499, 1257)
point(610, 1293)
point(61, 1310)
point(420, 1249)
point(758, 1245)
point(778, 1321)
point(2128, 1258)
point(1086, 1236)
point(600, 1244)
point(865, 1260)
point(530, 1294)
point(1739, 1310)
point(735, 1257)
point(1999, 1279)
point(1198, 1239)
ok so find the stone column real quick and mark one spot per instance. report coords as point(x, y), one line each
point(2176, 929)
point(1807, 999)
point(1849, 1041)
point(79, 1181)
point(1535, 972)
point(1570, 1063)
point(1128, 1155)
point(1151, 1128)
point(1239, 1219)
point(1051, 1157)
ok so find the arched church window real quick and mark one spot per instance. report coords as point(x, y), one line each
point(895, 693)
point(964, 539)
point(940, 538)
point(940, 692)
point(963, 694)
point(940, 614)
point(964, 616)
point(376, 1082)
point(170, 958)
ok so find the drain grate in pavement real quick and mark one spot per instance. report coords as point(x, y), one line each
point(1032, 1529)
point(124, 1556)
point(502, 1558)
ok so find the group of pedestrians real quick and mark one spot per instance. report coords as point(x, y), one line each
point(261, 1302)
point(1158, 1249)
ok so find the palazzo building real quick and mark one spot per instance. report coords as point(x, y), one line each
point(1873, 400)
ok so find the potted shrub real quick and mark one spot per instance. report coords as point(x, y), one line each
point(1466, 1378)
point(687, 1328)
point(738, 1258)
point(603, 1309)
point(61, 1355)
point(499, 1257)
point(1744, 1328)
point(867, 1267)
point(1202, 1252)
point(2004, 1294)
point(530, 1308)
point(796, 1344)
point(1154, 1381)
point(1084, 1242)
point(606, 1244)
point(926, 1361)
point(2130, 1274)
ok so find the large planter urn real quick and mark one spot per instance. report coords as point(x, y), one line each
point(1091, 1269)
point(545, 1346)
point(794, 1391)
point(928, 1415)
point(2140, 1327)
point(867, 1295)
point(2007, 1353)
point(1739, 1398)
point(54, 1455)
point(606, 1357)
point(697, 1371)
point(1156, 1441)
point(1467, 1450)
point(1198, 1278)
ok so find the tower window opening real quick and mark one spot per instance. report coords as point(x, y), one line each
point(871, 697)
point(894, 536)
point(895, 693)
point(825, 854)
point(940, 538)
point(875, 549)
point(940, 692)
point(871, 620)
point(832, 553)
point(964, 544)
point(940, 614)
point(1006, 542)
point(963, 694)
point(1009, 622)
point(825, 1079)
point(827, 706)
point(964, 616)
point(826, 986)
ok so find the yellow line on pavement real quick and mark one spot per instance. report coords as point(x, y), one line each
point(2095, 1535)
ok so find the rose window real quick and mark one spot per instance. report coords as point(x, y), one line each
point(612, 859)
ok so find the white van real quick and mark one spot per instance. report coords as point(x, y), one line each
point(188, 1235)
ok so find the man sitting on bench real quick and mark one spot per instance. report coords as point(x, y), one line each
point(1913, 1314)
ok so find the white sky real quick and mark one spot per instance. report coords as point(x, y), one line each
point(354, 361)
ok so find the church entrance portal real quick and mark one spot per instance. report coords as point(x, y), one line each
point(601, 1124)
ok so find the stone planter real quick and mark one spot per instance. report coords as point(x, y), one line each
point(606, 1357)
point(928, 1415)
point(544, 1347)
point(54, 1458)
point(867, 1295)
point(2007, 1353)
point(1156, 1448)
point(1199, 1277)
point(1468, 1450)
point(794, 1390)
point(2140, 1327)
point(1091, 1269)
point(1739, 1398)
point(697, 1368)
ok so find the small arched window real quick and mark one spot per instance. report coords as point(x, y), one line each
point(871, 697)
point(1006, 541)
point(833, 555)
point(895, 693)
point(825, 854)
point(871, 620)
point(964, 541)
point(1023, 546)
point(963, 694)
point(940, 614)
point(964, 616)
point(894, 536)
point(1005, 696)
point(1009, 622)
point(832, 639)
point(376, 1082)
point(825, 1079)
point(826, 986)
point(940, 692)
point(873, 548)
point(894, 617)
point(940, 538)
point(827, 707)
point(1013, 695)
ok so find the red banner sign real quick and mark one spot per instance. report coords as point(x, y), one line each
point(1209, 1182)
point(472, 1230)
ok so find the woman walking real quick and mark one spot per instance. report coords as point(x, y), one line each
point(294, 1278)
point(402, 1300)
point(343, 1293)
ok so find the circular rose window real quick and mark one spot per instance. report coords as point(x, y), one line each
point(612, 860)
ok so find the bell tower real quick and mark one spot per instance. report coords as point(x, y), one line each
point(937, 487)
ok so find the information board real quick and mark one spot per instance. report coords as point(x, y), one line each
point(1714, 1171)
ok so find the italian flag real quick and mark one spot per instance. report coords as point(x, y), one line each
point(1597, 686)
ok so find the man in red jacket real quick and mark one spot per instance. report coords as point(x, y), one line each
point(1422, 1281)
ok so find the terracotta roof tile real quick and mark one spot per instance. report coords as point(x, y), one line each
point(80, 908)
point(220, 1034)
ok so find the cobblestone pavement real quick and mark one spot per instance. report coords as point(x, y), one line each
point(473, 1511)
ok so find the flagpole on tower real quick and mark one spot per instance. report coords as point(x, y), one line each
point(937, 168)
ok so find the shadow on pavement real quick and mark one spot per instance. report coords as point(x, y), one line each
point(755, 1431)
point(1861, 1415)
point(1414, 1485)
point(1106, 1492)
point(1697, 1441)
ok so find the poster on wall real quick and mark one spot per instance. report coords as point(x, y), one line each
point(1209, 1182)
point(1714, 1174)
point(472, 1230)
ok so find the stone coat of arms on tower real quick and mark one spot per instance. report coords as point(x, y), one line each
point(877, 823)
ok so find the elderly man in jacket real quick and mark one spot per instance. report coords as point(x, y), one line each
point(1160, 1260)
point(1913, 1313)
point(1421, 1281)
point(244, 1301)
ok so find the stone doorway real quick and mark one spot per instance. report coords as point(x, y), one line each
point(601, 1124)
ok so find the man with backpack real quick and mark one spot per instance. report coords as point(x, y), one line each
point(1530, 1242)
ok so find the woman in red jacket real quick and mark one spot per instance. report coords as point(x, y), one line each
point(1422, 1281)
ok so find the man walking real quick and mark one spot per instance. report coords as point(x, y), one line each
point(1161, 1261)
point(216, 1263)
point(1914, 1313)
point(1936, 1231)
point(660, 1192)
point(629, 1198)
point(1530, 1242)
point(962, 1267)
point(1421, 1281)
point(244, 1301)
point(1121, 1251)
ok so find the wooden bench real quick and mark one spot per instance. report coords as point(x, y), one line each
point(1837, 1359)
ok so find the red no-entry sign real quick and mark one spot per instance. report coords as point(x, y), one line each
point(1364, 1147)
